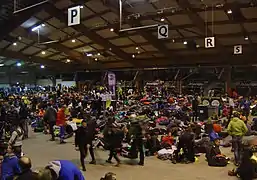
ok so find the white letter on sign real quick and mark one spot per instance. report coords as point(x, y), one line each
point(238, 49)
point(210, 42)
point(74, 16)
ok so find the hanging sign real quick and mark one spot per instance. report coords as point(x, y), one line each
point(74, 16)
point(163, 31)
point(209, 42)
point(238, 49)
point(111, 79)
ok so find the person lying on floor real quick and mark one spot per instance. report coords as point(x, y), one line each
point(214, 156)
point(247, 170)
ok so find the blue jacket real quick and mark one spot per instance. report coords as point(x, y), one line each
point(214, 136)
point(66, 170)
point(10, 167)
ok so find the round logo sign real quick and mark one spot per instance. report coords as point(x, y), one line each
point(215, 103)
point(206, 102)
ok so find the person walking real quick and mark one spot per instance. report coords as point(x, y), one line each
point(237, 129)
point(61, 121)
point(84, 137)
point(50, 118)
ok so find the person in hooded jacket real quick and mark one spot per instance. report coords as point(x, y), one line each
point(61, 170)
point(10, 165)
point(237, 129)
point(84, 136)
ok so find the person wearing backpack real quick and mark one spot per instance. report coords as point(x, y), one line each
point(16, 140)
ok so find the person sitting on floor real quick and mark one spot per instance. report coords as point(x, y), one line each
point(214, 156)
point(10, 165)
point(167, 141)
point(215, 132)
point(185, 148)
point(247, 170)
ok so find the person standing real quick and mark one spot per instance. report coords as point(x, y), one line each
point(50, 117)
point(23, 114)
point(61, 121)
point(237, 129)
point(84, 137)
point(16, 140)
point(195, 107)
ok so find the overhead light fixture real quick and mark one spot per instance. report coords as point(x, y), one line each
point(43, 52)
point(185, 42)
point(96, 59)
point(173, 40)
point(110, 49)
point(17, 83)
point(162, 19)
point(246, 38)
point(137, 48)
point(111, 29)
point(38, 27)
point(73, 40)
point(133, 56)
point(197, 46)
point(229, 11)
point(99, 54)
point(89, 55)
point(15, 44)
point(42, 66)
point(138, 52)
point(81, 7)
point(18, 64)
point(1, 65)
point(68, 60)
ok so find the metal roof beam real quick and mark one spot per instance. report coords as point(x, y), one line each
point(51, 9)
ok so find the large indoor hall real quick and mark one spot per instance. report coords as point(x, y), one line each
point(128, 89)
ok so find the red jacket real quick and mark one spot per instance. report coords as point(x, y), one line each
point(60, 120)
point(167, 140)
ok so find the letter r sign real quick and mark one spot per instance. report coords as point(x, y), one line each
point(74, 16)
point(209, 42)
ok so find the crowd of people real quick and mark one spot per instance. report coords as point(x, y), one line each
point(150, 124)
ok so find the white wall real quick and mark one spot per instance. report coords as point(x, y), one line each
point(48, 82)
point(44, 82)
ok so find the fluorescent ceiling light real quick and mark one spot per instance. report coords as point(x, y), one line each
point(1, 65)
point(38, 27)
point(133, 56)
point(96, 59)
point(88, 55)
point(98, 54)
point(162, 19)
point(43, 52)
point(185, 42)
point(73, 40)
point(68, 60)
point(18, 64)
point(111, 29)
point(246, 38)
point(42, 66)
point(136, 48)
point(15, 44)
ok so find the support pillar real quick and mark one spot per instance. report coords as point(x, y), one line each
point(228, 82)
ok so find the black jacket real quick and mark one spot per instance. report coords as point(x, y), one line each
point(13, 117)
point(50, 115)
point(84, 135)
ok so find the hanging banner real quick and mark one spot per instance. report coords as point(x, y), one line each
point(163, 31)
point(111, 79)
point(238, 49)
point(74, 16)
point(209, 42)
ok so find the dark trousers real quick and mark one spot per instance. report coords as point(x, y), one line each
point(51, 129)
point(195, 115)
point(113, 153)
point(237, 146)
point(25, 127)
point(83, 153)
point(139, 145)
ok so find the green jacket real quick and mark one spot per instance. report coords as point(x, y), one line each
point(237, 127)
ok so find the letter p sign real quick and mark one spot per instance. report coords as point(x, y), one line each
point(74, 16)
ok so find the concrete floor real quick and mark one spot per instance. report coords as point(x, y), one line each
point(41, 151)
